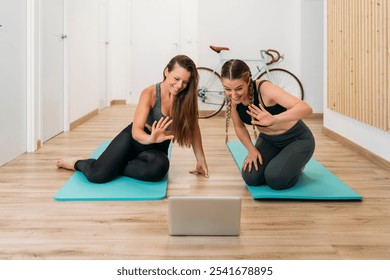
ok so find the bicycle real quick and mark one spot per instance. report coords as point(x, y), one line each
point(211, 96)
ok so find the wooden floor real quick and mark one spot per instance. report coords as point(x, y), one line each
point(34, 226)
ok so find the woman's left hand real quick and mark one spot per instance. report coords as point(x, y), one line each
point(260, 116)
point(201, 169)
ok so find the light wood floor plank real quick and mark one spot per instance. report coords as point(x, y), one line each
point(34, 226)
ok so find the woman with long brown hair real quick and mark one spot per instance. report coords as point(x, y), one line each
point(166, 111)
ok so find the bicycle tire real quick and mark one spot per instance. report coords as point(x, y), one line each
point(286, 80)
point(211, 95)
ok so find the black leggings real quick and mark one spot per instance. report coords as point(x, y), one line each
point(125, 156)
point(284, 157)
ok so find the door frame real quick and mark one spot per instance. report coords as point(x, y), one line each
point(33, 76)
point(66, 72)
point(32, 119)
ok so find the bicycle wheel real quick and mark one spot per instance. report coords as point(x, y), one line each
point(286, 80)
point(211, 96)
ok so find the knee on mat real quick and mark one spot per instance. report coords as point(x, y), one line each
point(279, 182)
point(99, 178)
point(93, 174)
point(157, 166)
point(158, 173)
point(253, 178)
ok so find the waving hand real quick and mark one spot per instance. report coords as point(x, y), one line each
point(159, 131)
point(261, 116)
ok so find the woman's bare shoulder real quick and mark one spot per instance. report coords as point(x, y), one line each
point(264, 83)
point(149, 94)
point(149, 90)
point(267, 89)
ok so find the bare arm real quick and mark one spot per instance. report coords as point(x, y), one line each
point(242, 133)
point(296, 108)
point(197, 146)
point(240, 129)
point(272, 94)
point(158, 133)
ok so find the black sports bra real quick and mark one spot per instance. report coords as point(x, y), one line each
point(273, 110)
point(155, 114)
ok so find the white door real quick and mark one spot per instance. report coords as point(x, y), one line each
point(155, 39)
point(51, 67)
point(102, 52)
point(13, 117)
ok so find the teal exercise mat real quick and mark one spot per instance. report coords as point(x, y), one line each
point(78, 188)
point(315, 183)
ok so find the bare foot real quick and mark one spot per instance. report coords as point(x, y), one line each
point(67, 163)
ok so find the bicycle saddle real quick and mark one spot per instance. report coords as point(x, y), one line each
point(219, 49)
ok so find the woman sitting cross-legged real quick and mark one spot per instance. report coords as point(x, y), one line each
point(167, 111)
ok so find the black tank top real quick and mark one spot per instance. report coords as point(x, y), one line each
point(155, 114)
point(273, 110)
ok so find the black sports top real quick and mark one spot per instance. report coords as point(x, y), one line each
point(273, 110)
point(155, 114)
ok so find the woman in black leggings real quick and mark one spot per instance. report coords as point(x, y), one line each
point(285, 143)
point(167, 111)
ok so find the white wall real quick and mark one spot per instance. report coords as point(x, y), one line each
point(370, 138)
point(82, 31)
point(189, 28)
point(13, 79)
point(312, 49)
point(119, 49)
point(366, 136)
point(246, 26)
point(103, 9)
point(292, 26)
point(119, 37)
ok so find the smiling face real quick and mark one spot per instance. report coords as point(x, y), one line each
point(177, 79)
point(236, 90)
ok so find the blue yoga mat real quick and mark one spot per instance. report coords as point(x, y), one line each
point(121, 188)
point(315, 183)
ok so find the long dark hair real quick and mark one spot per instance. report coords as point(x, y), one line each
point(236, 69)
point(185, 104)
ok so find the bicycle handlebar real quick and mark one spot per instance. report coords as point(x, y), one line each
point(271, 53)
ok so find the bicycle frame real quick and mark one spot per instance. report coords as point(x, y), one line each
point(211, 97)
point(263, 67)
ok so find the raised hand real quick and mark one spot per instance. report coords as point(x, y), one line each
point(159, 131)
point(261, 116)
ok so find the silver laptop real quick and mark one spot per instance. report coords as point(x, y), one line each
point(203, 215)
